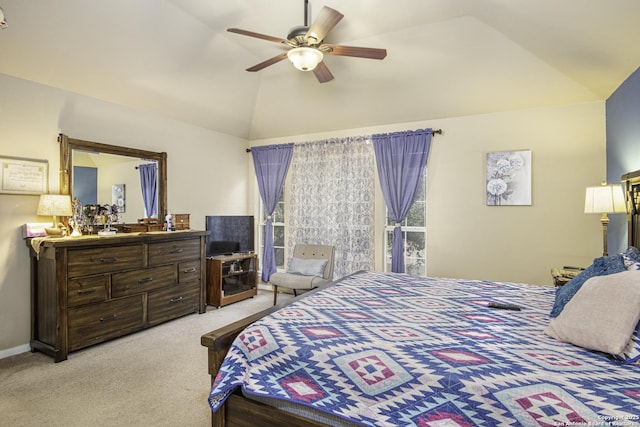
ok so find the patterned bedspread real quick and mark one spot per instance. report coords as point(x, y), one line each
point(398, 350)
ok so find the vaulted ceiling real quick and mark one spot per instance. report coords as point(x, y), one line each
point(446, 58)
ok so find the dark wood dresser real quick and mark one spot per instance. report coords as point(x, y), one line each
point(90, 289)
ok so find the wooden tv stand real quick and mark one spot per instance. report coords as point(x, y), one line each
point(231, 278)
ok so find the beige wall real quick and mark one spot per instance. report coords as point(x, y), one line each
point(467, 239)
point(210, 173)
point(207, 174)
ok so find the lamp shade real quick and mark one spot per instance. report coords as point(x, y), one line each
point(305, 58)
point(604, 199)
point(54, 205)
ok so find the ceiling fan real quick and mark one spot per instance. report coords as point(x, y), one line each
point(305, 45)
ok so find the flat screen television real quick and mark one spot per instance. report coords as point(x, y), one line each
point(229, 234)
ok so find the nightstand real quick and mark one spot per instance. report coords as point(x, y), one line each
point(561, 276)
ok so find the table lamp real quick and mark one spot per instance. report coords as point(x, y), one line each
point(54, 205)
point(604, 199)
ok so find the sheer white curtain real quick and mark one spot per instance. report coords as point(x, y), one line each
point(332, 200)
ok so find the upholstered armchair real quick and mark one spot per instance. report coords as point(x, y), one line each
point(311, 266)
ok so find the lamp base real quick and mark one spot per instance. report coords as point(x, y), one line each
point(605, 222)
point(51, 231)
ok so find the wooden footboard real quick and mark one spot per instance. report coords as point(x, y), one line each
point(218, 343)
point(237, 410)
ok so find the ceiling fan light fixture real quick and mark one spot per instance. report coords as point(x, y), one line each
point(3, 22)
point(305, 58)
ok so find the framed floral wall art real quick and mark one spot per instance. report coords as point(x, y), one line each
point(508, 178)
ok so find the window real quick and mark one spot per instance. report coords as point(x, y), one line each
point(414, 231)
point(278, 231)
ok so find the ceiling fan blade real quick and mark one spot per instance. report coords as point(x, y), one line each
point(324, 22)
point(359, 52)
point(268, 62)
point(322, 73)
point(258, 35)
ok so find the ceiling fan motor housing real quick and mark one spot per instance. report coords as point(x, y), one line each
point(297, 35)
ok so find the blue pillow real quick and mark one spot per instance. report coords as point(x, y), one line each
point(632, 258)
point(307, 267)
point(633, 253)
point(602, 266)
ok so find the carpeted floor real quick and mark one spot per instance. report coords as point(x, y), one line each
point(157, 377)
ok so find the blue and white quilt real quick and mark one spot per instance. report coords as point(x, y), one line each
point(399, 350)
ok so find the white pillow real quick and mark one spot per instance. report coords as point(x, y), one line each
point(602, 315)
point(307, 267)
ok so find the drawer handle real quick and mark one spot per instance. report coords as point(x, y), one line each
point(176, 299)
point(86, 291)
point(148, 279)
point(176, 251)
point(108, 260)
point(190, 270)
point(112, 317)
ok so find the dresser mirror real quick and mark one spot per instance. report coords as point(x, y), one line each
point(103, 174)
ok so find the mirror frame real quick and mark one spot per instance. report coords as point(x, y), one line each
point(67, 145)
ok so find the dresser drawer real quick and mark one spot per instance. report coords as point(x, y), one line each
point(173, 302)
point(95, 323)
point(189, 271)
point(176, 251)
point(85, 262)
point(85, 290)
point(136, 281)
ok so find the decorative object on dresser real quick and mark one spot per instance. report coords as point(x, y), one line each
point(143, 225)
point(175, 222)
point(181, 221)
point(604, 199)
point(91, 289)
point(231, 278)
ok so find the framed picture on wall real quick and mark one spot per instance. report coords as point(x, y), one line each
point(23, 176)
point(508, 178)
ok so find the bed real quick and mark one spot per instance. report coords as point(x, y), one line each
point(397, 350)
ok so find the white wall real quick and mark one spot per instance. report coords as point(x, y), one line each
point(466, 238)
point(207, 174)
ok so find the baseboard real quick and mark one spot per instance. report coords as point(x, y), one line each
point(265, 287)
point(15, 350)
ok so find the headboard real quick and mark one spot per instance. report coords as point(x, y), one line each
point(631, 183)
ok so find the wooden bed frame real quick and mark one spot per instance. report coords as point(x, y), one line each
point(240, 411)
point(631, 182)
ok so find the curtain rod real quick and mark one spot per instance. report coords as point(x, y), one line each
point(433, 132)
